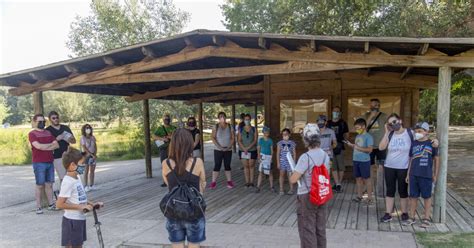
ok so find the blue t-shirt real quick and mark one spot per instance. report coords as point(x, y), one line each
point(286, 146)
point(422, 154)
point(265, 146)
point(363, 140)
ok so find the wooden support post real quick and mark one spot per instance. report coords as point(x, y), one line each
point(442, 130)
point(201, 128)
point(146, 129)
point(256, 119)
point(38, 105)
point(232, 120)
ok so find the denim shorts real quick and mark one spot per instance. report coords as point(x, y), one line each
point(420, 186)
point(44, 172)
point(362, 169)
point(192, 231)
point(73, 232)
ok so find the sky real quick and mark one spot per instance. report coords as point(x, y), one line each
point(34, 32)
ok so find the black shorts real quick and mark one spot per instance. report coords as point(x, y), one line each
point(73, 232)
point(395, 179)
point(253, 155)
point(378, 155)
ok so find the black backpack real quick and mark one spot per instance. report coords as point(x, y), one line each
point(183, 202)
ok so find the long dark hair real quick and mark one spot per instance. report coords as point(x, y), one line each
point(181, 149)
point(83, 130)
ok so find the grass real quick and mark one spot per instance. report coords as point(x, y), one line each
point(113, 144)
point(451, 240)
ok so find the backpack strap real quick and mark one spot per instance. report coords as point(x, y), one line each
point(390, 135)
point(192, 168)
point(164, 129)
point(373, 121)
point(173, 171)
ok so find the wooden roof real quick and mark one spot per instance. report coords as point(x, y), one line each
point(201, 64)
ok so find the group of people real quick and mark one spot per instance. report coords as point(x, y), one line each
point(48, 144)
point(407, 158)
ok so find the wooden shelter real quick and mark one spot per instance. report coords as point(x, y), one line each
point(295, 77)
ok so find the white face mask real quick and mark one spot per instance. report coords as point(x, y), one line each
point(419, 136)
point(88, 131)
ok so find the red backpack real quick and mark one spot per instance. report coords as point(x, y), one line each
point(320, 191)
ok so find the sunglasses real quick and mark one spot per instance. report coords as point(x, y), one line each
point(54, 118)
point(394, 122)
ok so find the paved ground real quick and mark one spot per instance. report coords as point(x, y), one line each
point(21, 227)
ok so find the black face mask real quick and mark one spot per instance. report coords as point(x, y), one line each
point(191, 124)
point(41, 124)
point(167, 121)
point(374, 109)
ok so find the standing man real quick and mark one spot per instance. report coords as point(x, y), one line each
point(42, 145)
point(376, 127)
point(340, 128)
point(162, 138)
point(64, 136)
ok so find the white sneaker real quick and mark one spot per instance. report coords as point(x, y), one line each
point(87, 189)
point(92, 187)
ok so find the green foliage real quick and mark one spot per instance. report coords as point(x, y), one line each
point(115, 24)
point(362, 18)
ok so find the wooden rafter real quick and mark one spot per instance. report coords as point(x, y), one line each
point(226, 97)
point(244, 71)
point(186, 88)
point(136, 67)
point(219, 89)
point(422, 51)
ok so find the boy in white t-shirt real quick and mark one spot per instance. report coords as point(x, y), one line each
point(73, 199)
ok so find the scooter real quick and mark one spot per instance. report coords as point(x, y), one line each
point(97, 224)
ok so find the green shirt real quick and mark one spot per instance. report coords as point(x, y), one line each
point(378, 129)
point(160, 132)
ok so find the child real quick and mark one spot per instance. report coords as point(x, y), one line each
point(361, 158)
point(283, 147)
point(265, 152)
point(72, 198)
point(328, 142)
point(422, 172)
point(89, 146)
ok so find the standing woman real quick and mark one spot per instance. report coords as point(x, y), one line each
point(311, 218)
point(223, 138)
point(196, 136)
point(247, 138)
point(191, 171)
point(89, 146)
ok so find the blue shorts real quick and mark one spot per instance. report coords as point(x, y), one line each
point(193, 232)
point(44, 172)
point(362, 169)
point(420, 186)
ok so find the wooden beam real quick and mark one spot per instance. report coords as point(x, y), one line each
point(201, 129)
point(225, 97)
point(186, 88)
point(376, 57)
point(421, 51)
point(218, 40)
point(366, 47)
point(136, 67)
point(232, 122)
point(244, 71)
point(109, 61)
point(146, 129)
point(255, 119)
point(37, 76)
point(149, 53)
point(263, 43)
point(38, 105)
point(391, 77)
point(247, 103)
point(239, 88)
point(71, 69)
point(313, 45)
point(442, 130)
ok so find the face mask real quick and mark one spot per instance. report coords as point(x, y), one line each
point(41, 124)
point(374, 109)
point(396, 126)
point(88, 131)
point(359, 131)
point(166, 121)
point(191, 124)
point(419, 136)
point(80, 169)
point(247, 122)
point(286, 137)
point(321, 125)
point(335, 115)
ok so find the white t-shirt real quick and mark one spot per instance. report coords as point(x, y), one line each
point(398, 151)
point(305, 167)
point(72, 189)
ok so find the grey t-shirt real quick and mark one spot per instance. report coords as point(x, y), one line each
point(378, 129)
point(306, 162)
point(327, 136)
point(223, 136)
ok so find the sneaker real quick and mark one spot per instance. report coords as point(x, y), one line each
point(405, 217)
point(163, 185)
point(273, 190)
point(409, 222)
point(213, 185)
point(39, 211)
point(230, 184)
point(92, 187)
point(52, 207)
point(338, 188)
point(290, 192)
point(386, 218)
point(87, 189)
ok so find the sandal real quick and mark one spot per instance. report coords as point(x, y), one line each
point(425, 223)
point(290, 192)
point(358, 199)
point(369, 201)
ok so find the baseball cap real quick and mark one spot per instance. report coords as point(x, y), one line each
point(265, 129)
point(423, 125)
point(322, 118)
point(311, 129)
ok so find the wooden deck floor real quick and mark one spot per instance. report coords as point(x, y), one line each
point(139, 199)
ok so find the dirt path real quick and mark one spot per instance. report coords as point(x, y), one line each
point(461, 162)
